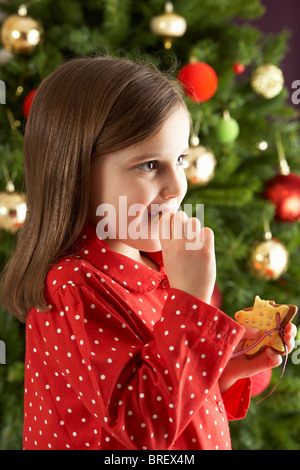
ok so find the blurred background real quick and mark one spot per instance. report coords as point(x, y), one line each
point(237, 61)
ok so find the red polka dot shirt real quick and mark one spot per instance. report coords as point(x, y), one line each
point(122, 361)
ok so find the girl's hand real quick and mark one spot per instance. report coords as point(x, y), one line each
point(190, 270)
point(240, 367)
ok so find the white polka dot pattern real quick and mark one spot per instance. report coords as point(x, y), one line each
point(122, 361)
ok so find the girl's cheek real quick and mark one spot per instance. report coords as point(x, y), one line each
point(184, 187)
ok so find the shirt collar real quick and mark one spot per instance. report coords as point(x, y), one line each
point(129, 273)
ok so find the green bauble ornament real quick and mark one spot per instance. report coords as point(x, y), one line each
point(228, 129)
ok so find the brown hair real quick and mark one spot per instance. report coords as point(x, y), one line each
point(86, 108)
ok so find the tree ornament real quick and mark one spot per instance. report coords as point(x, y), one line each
point(28, 102)
point(200, 163)
point(21, 33)
point(169, 25)
point(267, 80)
point(12, 208)
point(284, 189)
point(269, 258)
point(238, 68)
point(199, 81)
point(284, 192)
point(260, 382)
point(228, 129)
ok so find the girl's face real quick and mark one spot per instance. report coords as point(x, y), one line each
point(149, 174)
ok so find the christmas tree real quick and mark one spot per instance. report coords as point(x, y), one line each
point(244, 160)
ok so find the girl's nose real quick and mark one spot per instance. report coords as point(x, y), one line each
point(174, 184)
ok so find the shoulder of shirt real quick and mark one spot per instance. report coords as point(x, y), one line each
point(71, 271)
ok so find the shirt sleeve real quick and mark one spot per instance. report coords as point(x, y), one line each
point(237, 399)
point(144, 386)
point(208, 342)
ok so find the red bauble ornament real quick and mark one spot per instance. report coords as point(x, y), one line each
point(284, 192)
point(216, 298)
point(238, 68)
point(260, 382)
point(199, 81)
point(28, 102)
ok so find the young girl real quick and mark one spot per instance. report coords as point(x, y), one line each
point(124, 350)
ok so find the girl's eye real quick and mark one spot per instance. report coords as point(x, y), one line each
point(153, 165)
point(148, 166)
point(181, 159)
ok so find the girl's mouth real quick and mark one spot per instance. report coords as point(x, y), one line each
point(161, 209)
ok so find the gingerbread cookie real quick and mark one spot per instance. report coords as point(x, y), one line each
point(264, 316)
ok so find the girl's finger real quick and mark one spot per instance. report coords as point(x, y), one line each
point(179, 221)
point(290, 328)
point(274, 359)
point(289, 341)
point(266, 359)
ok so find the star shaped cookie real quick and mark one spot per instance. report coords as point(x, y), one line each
point(263, 316)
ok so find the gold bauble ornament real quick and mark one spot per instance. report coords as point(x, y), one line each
point(169, 25)
point(12, 209)
point(21, 34)
point(269, 259)
point(267, 81)
point(199, 166)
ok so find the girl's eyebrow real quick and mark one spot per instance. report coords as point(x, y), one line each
point(150, 156)
point(145, 156)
